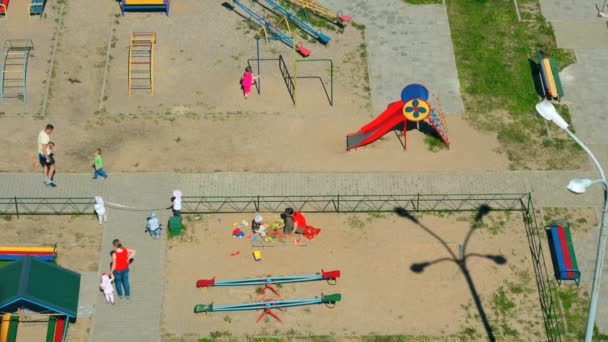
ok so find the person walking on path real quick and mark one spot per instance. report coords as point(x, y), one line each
point(43, 155)
point(121, 258)
point(98, 165)
point(247, 80)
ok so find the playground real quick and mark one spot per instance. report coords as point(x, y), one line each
point(73, 239)
point(197, 99)
point(376, 254)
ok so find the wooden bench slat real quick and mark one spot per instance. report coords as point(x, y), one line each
point(563, 248)
point(558, 81)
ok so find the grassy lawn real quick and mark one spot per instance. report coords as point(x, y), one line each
point(424, 2)
point(492, 51)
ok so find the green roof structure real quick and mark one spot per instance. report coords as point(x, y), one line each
point(39, 286)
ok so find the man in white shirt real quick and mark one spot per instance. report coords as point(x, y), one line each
point(43, 155)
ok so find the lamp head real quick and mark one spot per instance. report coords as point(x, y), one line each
point(579, 185)
point(548, 112)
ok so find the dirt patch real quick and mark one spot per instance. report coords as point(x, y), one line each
point(74, 236)
point(383, 282)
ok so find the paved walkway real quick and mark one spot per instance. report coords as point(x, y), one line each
point(406, 44)
point(153, 190)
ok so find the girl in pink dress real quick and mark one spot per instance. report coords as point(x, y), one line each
point(247, 81)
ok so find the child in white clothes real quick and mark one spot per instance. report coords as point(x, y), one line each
point(100, 210)
point(107, 288)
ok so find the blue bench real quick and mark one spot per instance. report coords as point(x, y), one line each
point(562, 252)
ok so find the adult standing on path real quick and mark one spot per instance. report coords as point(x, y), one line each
point(43, 155)
point(121, 258)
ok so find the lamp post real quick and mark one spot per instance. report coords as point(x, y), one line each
point(579, 186)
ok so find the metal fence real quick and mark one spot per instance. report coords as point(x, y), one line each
point(352, 203)
point(46, 206)
point(341, 204)
point(546, 287)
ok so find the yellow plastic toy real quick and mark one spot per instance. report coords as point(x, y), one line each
point(257, 255)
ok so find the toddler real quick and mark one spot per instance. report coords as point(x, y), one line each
point(258, 227)
point(107, 288)
point(247, 80)
point(100, 210)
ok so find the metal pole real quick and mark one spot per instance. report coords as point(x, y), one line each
point(332, 81)
point(259, 79)
point(16, 207)
point(601, 246)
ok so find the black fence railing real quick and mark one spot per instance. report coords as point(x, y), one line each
point(46, 206)
point(546, 287)
point(291, 88)
point(352, 203)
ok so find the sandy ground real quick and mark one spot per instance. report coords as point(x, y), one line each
point(381, 293)
point(78, 242)
point(197, 120)
point(75, 237)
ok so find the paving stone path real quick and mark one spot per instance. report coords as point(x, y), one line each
point(406, 44)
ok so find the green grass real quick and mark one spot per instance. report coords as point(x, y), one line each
point(424, 2)
point(492, 50)
point(434, 143)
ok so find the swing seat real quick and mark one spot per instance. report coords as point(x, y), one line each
point(330, 274)
point(205, 282)
point(302, 50)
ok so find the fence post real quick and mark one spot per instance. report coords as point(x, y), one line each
point(16, 207)
point(331, 62)
point(418, 202)
point(338, 208)
point(257, 204)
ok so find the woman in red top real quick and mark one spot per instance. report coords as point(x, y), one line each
point(298, 224)
point(120, 267)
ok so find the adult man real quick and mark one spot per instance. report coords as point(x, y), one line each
point(48, 168)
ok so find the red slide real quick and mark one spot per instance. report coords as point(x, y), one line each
point(391, 117)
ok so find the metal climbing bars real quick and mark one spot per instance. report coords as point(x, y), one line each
point(141, 61)
point(13, 80)
point(320, 10)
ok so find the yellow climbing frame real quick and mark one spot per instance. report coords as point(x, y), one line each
point(141, 61)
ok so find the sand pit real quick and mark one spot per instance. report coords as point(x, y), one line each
point(381, 293)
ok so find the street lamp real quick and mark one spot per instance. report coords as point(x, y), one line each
point(579, 186)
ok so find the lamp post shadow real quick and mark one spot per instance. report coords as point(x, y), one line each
point(460, 261)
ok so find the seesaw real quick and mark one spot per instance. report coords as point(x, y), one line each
point(268, 306)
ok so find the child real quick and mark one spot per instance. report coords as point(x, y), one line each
point(153, 225)
point(98, 165)
point(107, 288)
point(247, 80)
point(100, 210)
point(258, 227)
point(176, 203)
point(51, 163)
